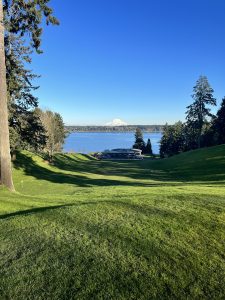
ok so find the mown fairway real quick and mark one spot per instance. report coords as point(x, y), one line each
point(87, 229)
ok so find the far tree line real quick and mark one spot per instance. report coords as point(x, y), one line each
point(123, 128)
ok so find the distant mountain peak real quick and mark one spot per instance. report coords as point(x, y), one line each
point(116, 122)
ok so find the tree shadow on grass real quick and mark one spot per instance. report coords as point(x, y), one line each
point(138, 208)
point(135, 170)
point(100, 167)
point(31, 168)
point(138, 170)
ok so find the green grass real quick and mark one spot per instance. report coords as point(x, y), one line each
point(88, 229)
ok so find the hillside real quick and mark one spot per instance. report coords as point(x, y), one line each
point(88, 229)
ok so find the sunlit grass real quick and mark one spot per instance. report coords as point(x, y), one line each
point(88, 229)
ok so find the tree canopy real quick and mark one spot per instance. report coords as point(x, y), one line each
point(198, 112)
point(139, 141)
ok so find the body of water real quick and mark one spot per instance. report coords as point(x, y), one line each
point(86, 142)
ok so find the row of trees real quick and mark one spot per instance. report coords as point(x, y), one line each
point(201, 129)
point(140, 143)
point(21, 25)
point(46, 134)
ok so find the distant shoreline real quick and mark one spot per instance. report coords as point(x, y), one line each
point(131, 131)
point(116, 129)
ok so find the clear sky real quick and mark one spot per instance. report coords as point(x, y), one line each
point(136, 60)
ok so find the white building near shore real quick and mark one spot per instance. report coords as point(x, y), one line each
point(122, 154)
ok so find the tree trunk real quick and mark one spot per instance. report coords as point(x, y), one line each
point(6, 170)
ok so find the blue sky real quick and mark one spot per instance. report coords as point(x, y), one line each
point(136, 60)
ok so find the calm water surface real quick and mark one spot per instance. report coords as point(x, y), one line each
point(86, 142)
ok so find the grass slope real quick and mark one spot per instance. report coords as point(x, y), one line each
point(88, 229)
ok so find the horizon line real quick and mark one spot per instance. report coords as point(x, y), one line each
point(116, 125)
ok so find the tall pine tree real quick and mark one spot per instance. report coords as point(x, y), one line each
point(18, 19)
point(198, 112)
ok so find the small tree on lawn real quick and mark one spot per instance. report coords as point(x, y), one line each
point(148, 148)
point(139, 141)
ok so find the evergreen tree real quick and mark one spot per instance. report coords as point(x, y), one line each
point(148, 148)
point(198, 112)
point(18, 55)
point(219, 124)
point(17, 19)
point(32, 132)
point(19, 82)
point(139, 141)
